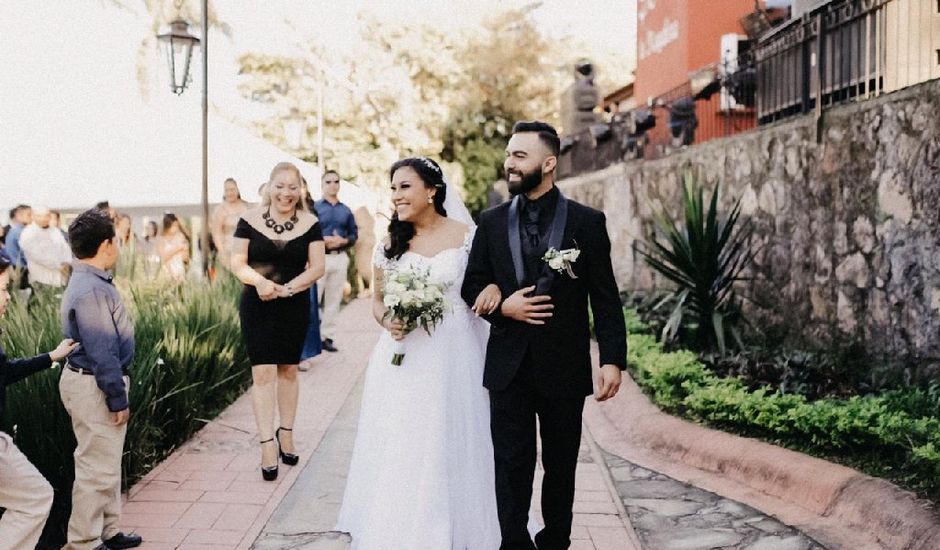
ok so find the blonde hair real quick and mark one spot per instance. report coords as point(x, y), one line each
point(267, 187)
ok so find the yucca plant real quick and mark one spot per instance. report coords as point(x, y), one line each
point(704, 254)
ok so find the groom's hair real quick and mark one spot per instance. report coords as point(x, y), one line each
point(547, 133)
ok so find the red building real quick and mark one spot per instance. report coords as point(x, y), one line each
point(680, 52)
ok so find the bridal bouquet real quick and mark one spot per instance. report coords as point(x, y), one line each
point(415, 299)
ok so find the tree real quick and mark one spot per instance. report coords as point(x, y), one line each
point(387, 99)
point(415, 89)
point(508, 75)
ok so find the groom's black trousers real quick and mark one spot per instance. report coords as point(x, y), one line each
point(513, 414)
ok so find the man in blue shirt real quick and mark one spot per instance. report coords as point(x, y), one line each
point(339, 234)
point(94, 384)
point(20, 217)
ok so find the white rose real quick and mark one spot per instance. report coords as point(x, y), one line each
point(556, 262)
point(572, 255)
point(410, 298)
point(391, 300)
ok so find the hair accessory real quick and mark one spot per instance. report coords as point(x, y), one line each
point(430, 164)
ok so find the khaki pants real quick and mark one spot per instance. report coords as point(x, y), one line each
point(25, 494)
point(96, 494)
point(330, 289)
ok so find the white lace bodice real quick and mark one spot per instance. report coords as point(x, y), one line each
point(448, 265)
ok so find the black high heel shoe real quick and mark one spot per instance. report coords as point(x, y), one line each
point(269, 473)
point(287, 458)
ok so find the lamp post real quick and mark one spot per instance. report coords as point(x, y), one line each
point(179, 45)
point(295, 126)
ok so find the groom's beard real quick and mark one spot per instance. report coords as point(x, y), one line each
point(526, 183)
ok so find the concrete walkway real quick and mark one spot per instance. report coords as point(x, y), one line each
point(306, 516)
point(209, 494)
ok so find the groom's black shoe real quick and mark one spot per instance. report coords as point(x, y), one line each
point(121, 540)
point(328, 345)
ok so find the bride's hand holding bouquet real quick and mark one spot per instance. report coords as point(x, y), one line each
point(412, 299)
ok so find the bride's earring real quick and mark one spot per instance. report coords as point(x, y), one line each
point(430, 200)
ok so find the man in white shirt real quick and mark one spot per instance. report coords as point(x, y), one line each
point(47, 254)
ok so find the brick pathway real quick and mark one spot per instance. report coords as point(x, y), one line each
point(209, 494)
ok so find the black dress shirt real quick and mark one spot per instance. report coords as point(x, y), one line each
point(535, 223)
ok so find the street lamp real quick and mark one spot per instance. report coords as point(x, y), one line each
point(295, 126)
point(179, 46)
point(180, 49)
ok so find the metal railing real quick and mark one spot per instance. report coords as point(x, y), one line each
point(841, 51)
point(721, 105)
point(685, 116)
point(846, 50)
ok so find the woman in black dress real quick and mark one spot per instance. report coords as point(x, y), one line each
point(278, 254)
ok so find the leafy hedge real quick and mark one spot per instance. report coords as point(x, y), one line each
point(190, 363)
point(895, 434)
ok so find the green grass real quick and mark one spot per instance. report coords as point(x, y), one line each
point(190, 363)
point(894, 434)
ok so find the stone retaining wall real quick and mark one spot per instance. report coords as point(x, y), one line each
point(847, 226)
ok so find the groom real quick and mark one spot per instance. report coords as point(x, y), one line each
point(538, 360)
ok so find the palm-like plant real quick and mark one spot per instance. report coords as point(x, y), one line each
point(704, 254)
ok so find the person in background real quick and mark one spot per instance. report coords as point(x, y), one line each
point(94, 384)
point(122, 230)
point(147, 246)
point(498, 194)
point(105, 206)
point(20, 216)
point(55, 220)
point(46, 252)
point(25, 494)
point(224, 218)
point(173, 248)
point(312, 343)
point(339, 234)
point(362, 250)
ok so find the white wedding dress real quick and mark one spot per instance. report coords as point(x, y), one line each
point(421, 476)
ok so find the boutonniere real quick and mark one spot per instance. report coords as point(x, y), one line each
point(562, 260)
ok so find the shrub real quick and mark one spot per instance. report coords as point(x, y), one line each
point(189, 364)
point(895, 434)
point(704, 254)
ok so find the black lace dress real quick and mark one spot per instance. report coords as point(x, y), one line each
point(274, 331)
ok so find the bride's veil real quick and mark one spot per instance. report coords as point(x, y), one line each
point(456, 209)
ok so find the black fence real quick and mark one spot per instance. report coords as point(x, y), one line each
point(841, 51)
point(844, 50)
point(719, 104)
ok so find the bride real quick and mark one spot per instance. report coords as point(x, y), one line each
point(421, 475)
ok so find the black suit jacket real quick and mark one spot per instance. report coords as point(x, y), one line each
point(14, 370)
point(560, 349)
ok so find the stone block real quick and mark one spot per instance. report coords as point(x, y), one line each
point(845, 311)
point(854, 270)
